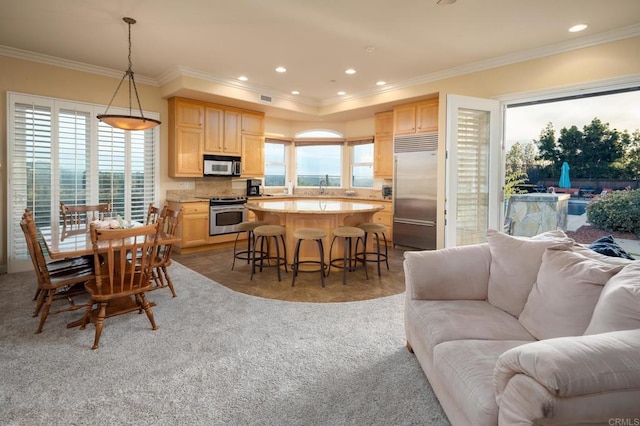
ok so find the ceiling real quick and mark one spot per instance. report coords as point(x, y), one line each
point(402, 42)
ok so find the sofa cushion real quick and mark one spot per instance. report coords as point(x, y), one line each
point(446, 320)
point(466, 366)
point(514, 267)
point(618, 307)
point(565, 294)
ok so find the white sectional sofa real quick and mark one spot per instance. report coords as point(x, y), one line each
point(523, 331)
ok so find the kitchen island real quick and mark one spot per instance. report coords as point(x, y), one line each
point(326, 214)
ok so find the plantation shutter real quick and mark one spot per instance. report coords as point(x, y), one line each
point(58, 151)
point(473, 176)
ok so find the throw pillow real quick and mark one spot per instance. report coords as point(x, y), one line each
point(514, 267)
point(609, 247)
point(566, 291)
point(618, 307)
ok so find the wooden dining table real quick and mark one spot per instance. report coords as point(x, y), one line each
point(62, 242)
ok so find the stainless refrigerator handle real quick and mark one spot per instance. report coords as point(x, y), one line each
point(414, 222)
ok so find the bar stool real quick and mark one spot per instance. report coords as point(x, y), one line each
point(349, 261)
point(247, 254)
point(308, 234)
point(262, 235)
point(374, 256)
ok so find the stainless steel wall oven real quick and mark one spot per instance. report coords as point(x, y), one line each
point(225, 213)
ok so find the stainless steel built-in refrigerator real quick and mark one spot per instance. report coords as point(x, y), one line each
point(415, 190)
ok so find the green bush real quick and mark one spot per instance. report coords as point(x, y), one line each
point(617, 211)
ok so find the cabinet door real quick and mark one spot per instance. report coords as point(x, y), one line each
point(188, 152)
point(232, 134)
point(214, 130)
point(384, 123)
point(427, 116)
point(189, 114)
point(195, 230)
point(252, 123)
point(404, 120)
point(252, 155)
point(383, 157)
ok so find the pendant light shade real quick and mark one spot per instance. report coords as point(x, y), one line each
point(128, 122)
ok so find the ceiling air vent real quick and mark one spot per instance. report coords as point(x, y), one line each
point(265, 98)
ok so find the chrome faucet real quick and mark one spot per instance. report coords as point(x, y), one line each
point(321, 189)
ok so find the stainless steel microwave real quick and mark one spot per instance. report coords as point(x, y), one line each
point(221, 165)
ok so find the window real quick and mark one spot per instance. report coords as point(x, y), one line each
point(275, 168)
point(362, 165)
point(58, 151)
point(319, 158)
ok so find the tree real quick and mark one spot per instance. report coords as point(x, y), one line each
point(595, 152)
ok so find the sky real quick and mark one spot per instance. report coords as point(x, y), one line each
point(524, 124)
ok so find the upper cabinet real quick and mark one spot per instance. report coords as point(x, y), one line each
point(198, 128)
point(252, 123)
point(420, 117)
point(186, 138)
point(383, 146)
point(252, 155)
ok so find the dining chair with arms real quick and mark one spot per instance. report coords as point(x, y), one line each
point(162, 258)
point(122, 259)
point(78, 215)
point(57, 280)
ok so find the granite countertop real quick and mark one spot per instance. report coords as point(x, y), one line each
point(191, 198)
point(313, 206)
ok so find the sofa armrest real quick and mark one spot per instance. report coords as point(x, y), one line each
point(448, 274)
point(573, 366)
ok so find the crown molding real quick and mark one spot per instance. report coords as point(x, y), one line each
point(73, 65)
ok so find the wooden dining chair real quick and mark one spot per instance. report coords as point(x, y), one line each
point(162, 258)
point(79, 215)
point(56, 280)
point(153, 213)
point(122, 259)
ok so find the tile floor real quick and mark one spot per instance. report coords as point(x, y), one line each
point(216, 265)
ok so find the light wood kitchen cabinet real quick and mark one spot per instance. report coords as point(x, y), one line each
point(383, 146)
point(214, 130)
point(427, 116)
point(232, 133)
point(222, 131)
point(198, 128)
point(252, 155)
point(186, 138)
point(385, 217)
point(420, 117)
point(252, 123)
point(194, 228)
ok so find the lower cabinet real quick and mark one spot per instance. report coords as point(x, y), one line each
point(194, 229)
point(385, 217)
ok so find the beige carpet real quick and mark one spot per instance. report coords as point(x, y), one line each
point(219, 357)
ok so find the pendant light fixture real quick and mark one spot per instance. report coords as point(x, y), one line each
point(128, 122)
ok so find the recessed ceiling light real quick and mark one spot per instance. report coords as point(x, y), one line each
point(349, 71)
point(380, 83)
point(243, 78)
point(281, 69)
point(577, 28)
point(341, 93)
point(295, 92)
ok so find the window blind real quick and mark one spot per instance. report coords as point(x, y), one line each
point(58, 151)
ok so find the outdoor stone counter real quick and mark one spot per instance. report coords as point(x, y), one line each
point(533, 214)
